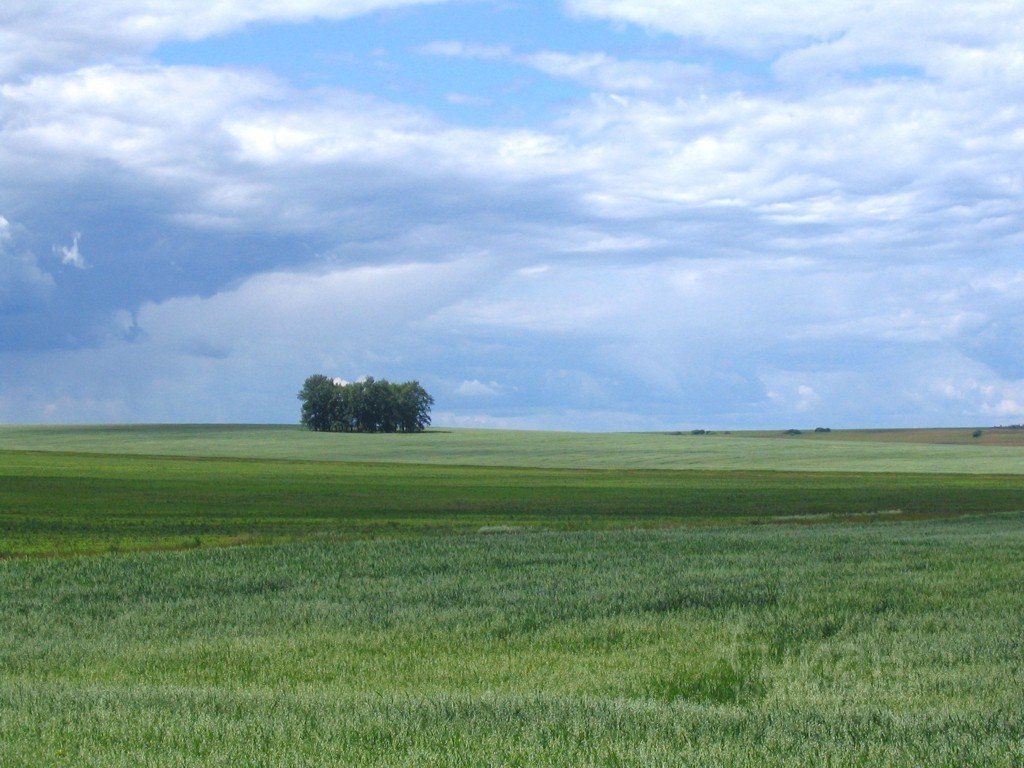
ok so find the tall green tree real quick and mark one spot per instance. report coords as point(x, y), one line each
point(414, 405)
point(317, 396)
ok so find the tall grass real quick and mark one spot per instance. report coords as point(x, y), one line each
point(853, 645)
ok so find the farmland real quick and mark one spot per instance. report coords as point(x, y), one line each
point(524, 599)
point(941, 451)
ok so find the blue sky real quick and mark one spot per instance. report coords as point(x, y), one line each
point(589, 214)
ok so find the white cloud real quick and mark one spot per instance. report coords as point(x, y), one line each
point(880, 31)
point(42, 34)
point(477, 388)
point(594, 69)
point(23, 282)
point(466, 100)
point(899, 169)
point(214, 139)
point(336, 311)
point(788, 395)
point(607, 73)
point(734, 23)
point(1002, 399)
point(71, 255)
point(464, 50)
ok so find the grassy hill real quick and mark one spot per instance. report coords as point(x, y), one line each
point(809, 452)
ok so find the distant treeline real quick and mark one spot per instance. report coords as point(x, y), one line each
point(370, 405)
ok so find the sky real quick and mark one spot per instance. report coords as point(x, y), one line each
point(577, 214)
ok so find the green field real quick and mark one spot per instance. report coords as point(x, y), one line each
point(846, 451)
point(59, 503)
point(523, 599)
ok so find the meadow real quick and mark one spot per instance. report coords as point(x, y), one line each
point(352, 612)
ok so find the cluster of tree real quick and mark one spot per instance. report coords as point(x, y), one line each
point(370, 405)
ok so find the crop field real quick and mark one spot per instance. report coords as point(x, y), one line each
point(225, 596)
point(57, 503)
point(941, 451)
point(1004, 436)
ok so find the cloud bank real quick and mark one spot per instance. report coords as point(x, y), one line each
point(789, 212)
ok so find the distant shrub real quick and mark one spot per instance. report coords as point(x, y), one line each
point(792, 432)
point(976, 433)
point(823, 429)
point(699, 432)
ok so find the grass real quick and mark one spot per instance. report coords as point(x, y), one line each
point(852, 645)
point(933, 436)
point(804, 453)
point(59, 503)
point(430, 612)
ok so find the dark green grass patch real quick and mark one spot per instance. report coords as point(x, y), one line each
point(53, 503)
